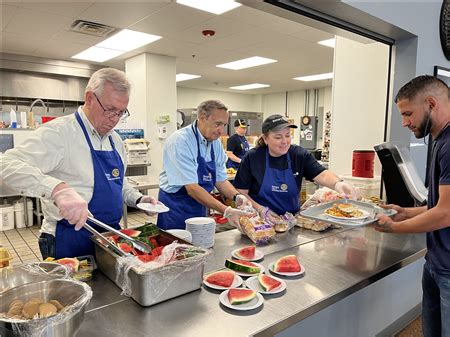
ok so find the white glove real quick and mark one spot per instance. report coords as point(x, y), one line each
point(233, 215)
point(149, 199)
point(242, 202)
point(72, 207)
point(347, 189)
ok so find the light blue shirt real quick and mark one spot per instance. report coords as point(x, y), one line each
point(180, 159)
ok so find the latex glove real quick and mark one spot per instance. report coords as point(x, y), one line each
point(242, 202)
point(149, 199)
point(233, 215)
point(347, 189)
point(72, 207)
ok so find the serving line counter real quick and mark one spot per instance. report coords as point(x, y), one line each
point(340, 265)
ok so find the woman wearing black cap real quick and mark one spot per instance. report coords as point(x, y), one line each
point(237, 144)
point(271, 174)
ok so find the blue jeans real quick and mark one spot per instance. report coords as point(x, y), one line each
point(435, 303)
point(47, 245)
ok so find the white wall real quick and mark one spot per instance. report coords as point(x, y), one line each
point(191, 98)
point(359, 101)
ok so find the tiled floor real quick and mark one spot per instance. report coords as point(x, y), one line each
point(22, 243)
point(413, 329)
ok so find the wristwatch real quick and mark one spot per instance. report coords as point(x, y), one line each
point(138, 200)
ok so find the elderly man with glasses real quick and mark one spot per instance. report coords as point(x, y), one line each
point(76, 165)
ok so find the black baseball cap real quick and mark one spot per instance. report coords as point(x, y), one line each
point(276, 123)
point(240, 122)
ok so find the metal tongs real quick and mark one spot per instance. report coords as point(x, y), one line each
point(135, 243)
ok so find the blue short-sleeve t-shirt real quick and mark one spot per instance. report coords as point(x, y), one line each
point(438, 242)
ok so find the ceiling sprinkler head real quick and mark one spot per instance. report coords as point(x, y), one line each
point(208, 33)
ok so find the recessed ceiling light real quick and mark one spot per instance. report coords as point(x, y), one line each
point(250, 86)
point(212, 6)
point(329, 43)
point(127, 40)
point(97, 54)
point(246, 63)
point(317, 77)
point(184, 77)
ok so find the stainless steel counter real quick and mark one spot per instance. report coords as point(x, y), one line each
point(338, 263)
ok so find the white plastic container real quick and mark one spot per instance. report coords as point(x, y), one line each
point(6, 217)
point(367, 187)
point(19, 216)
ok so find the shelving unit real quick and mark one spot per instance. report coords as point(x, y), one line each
point(326, 137)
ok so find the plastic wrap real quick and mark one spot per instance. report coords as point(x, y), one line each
point(259, 231)
point(31, 272)
point(175, 260)
point(73, 295)
point(322, 195)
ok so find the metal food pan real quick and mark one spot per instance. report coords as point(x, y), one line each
point(185, 277)
point(318, 213)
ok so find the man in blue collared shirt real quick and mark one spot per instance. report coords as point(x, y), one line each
point(193, 164)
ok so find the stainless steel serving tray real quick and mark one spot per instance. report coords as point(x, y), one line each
point(185, 277)
point(318, 213)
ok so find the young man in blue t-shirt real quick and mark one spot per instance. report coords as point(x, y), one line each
point(425, 108)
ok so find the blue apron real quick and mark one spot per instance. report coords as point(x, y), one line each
point(245, 147)
point(279, 189)
point(106, 203)
point(181, 205)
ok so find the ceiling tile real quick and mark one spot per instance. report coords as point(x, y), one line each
point(60, 49)
point(78, 37)
point(26, 22)
point(171, 19)
point(313, 35)
point(121, 14)
point(13, 43)
point(66, 8)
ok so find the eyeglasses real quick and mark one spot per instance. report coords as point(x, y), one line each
point(124, 114)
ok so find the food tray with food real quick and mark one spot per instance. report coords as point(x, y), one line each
point(346, 212)
point(178, 269)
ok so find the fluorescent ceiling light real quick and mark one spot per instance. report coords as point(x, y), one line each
point(329, 43)
point(314, 77)
point(127, 40)
point(250, 86)
point(185, 77)
point(97, 54)
point(246, 63)
point(212, 6)
point(116, 45)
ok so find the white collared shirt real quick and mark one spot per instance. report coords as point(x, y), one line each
point(58, 152)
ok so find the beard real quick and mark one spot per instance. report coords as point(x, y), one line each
point(425, 126)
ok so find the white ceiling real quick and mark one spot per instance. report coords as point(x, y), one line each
point(42, 29)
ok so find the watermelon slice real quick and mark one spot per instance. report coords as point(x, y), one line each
point(242, 266)
point(268, 283)
point(131, 232)
point(125, 247)
point(146, 258)
point(287, 264)
point(238, 296)
point(222, 278)
point(246, 252)
point(72, 263)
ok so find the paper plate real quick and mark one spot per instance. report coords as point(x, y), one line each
point(253, 283)
point(148, 207)
point(237, 282)
point(253, 304)
point(259, 255)
point(302, 271)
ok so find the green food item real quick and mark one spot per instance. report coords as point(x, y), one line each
point(242, 266)
point(240, 295)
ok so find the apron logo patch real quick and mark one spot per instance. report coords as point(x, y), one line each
point(281, 188)
point(207, 177)
point(115, 173)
